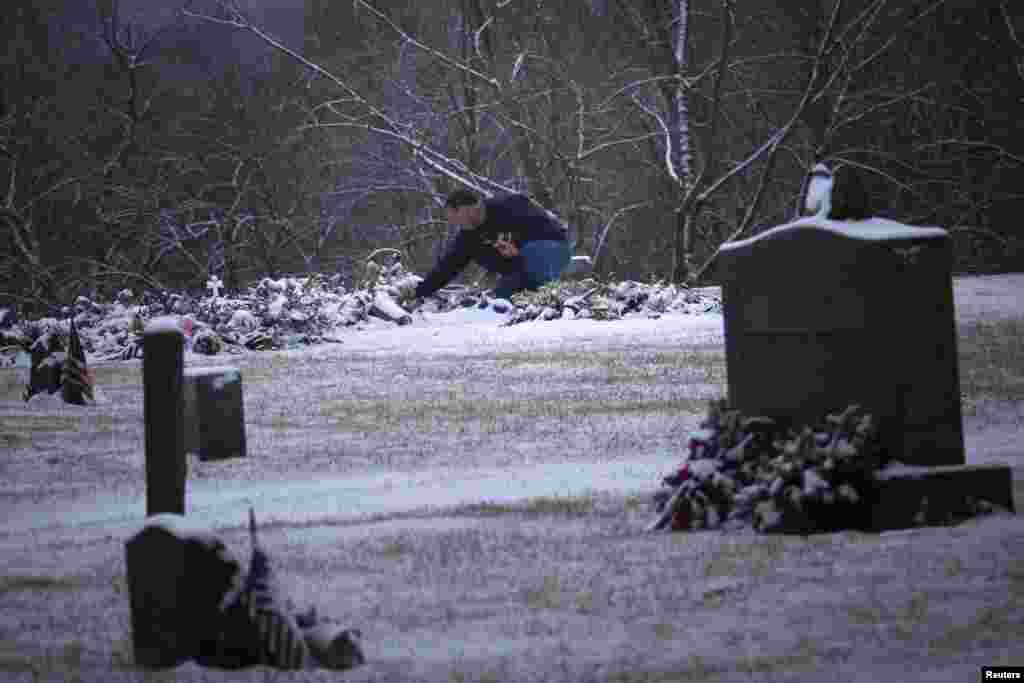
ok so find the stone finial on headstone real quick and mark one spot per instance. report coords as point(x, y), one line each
point(818, 200)
point(838, 195)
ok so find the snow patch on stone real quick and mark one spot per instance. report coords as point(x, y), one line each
point(164, 324)
point(876, 229)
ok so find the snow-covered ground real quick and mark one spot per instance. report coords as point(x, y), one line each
point(472, 332)
point(67, 503)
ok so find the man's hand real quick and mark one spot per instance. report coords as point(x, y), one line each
point(506, 248)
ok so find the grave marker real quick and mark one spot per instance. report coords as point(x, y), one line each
point(177, 575)
point(214, 413)
point(163, 411)
point(822, 314)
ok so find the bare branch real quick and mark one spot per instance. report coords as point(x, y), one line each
point(769, 145)
point(608, 225)
point(465, 68)
point(584, 154)
point(1014, 36)
point(772, 145)
point(975, 144)
point(1003, 242)
point(669, 166)
point(716, 100)
point(849, 121)
point(864, 21)
point(875, 170)
point(897, 33)
point(634, 85)
point(477, 37)
point(436, 160)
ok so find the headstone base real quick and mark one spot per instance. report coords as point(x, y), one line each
point(910, 496)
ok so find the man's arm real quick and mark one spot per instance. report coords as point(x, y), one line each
point(450, 265)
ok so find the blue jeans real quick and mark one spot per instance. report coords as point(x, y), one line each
point(542, 261)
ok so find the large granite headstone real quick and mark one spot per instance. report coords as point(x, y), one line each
point(822, 314)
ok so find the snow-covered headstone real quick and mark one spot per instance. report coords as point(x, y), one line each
point(821, 314)
point(178, 575)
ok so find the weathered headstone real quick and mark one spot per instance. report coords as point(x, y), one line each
point(214, 413)
point(178, 576)
point(822, 314)
point(163, 410)
point(190, 600)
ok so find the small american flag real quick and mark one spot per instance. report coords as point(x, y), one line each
point(281, 644)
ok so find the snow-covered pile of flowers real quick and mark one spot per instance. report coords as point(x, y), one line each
point(594, 300)
point(583, 300)
point(300, 311)
point(747, 472)
point(272, 314)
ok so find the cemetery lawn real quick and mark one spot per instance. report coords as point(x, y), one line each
point(473, 498)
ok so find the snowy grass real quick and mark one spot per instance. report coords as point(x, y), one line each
point(543, 588)
point(992, 359)
point(567, 590)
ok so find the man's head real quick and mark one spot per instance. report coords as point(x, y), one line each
point(464, 208)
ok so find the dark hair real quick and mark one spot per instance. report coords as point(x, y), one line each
point(459, 198)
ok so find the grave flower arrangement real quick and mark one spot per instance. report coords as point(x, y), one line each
point(749, 472)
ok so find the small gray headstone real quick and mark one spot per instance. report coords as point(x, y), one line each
point(214, 413)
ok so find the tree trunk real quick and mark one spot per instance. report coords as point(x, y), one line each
point(682, 153)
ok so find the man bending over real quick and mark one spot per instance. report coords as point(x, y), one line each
point(507, 235)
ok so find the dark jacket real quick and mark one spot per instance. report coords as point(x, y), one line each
point(506, 215)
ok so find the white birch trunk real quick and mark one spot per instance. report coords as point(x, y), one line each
point(679, 137)
point(682, 152)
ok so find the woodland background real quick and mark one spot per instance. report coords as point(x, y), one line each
point(219, 140)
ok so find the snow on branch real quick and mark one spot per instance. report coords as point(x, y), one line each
point(493, 82)
point(669, 165)
point(608, 225)
point(1014, 35)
